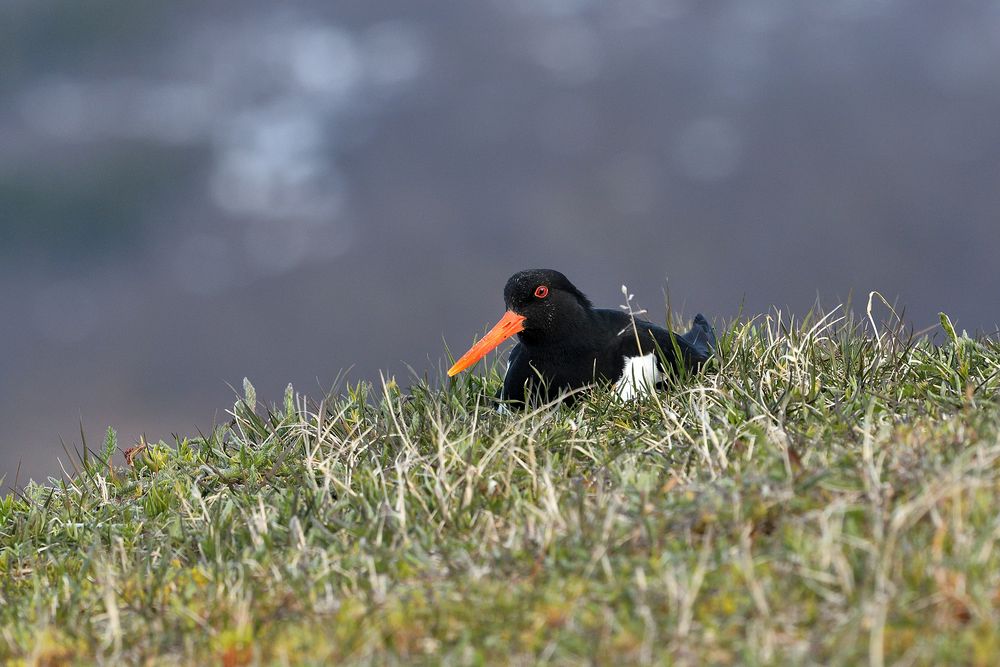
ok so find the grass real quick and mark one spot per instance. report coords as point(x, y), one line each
point(826, 492)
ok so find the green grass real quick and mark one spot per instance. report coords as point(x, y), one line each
point(826, 492)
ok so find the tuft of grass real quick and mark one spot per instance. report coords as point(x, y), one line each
point(826, 491)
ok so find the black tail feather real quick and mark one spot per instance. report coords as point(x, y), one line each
point(701, 338)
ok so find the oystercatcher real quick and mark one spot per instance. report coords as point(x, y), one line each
point(565, 343)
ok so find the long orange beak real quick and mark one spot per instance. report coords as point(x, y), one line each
point(508, 325)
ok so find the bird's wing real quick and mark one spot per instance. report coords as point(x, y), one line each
point(694, 347)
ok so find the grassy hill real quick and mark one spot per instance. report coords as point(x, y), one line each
point(827, 492)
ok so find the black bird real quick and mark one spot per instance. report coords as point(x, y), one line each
point(566, 343)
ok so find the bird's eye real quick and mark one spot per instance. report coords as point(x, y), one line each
point(541, 291)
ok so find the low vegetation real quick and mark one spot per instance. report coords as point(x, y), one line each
point(825, 492)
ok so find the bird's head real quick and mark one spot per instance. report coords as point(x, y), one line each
point(541, 304)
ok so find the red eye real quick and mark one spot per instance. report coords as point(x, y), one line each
point(541, 291)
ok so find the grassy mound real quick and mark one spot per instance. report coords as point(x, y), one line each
point(824, 492)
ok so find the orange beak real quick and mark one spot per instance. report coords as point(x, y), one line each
point(508, 325)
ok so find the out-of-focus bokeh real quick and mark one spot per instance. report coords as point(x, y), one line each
point(193, 192)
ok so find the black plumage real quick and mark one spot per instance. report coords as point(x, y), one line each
point(564, 343)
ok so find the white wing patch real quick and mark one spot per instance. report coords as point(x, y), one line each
point(639, 376)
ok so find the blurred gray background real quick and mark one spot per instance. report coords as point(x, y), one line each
point(193, 192)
